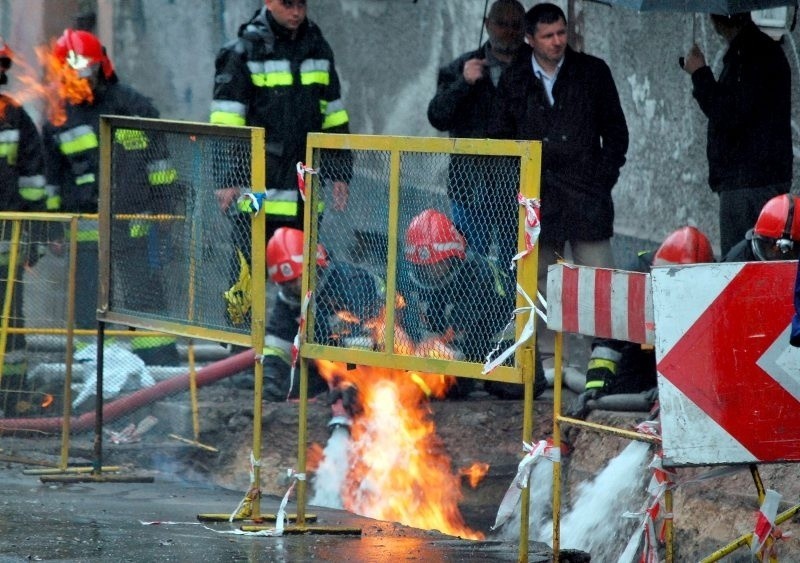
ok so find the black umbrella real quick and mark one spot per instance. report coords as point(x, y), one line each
point(699, 6)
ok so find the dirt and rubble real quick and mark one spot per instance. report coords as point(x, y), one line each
point(707, 514)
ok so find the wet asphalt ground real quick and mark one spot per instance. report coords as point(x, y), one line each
point(157, 521)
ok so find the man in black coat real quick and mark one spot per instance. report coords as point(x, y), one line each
point(569, 101)
point(748, 107)
point(481, 207)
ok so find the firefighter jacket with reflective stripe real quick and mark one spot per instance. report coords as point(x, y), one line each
point(289, 86)
point(21, 160)
point(72, 153)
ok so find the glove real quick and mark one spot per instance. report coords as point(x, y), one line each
point(580, 407)
point(237, 298)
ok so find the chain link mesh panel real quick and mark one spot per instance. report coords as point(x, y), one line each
point(31, 279)
point(427, 236)
point(179, 247)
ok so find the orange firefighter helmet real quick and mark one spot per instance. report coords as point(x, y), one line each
point(285, 255)
point(687, 245)
point(431, 237)
point(776, 234)
point(83, 52)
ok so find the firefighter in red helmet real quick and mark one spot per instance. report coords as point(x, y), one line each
point(687, 245)
point(89, 88)
point(284, 257)
point(775, 236)
point(21, 189)
point(617, 367)
point(345, 295)
point(463, 297)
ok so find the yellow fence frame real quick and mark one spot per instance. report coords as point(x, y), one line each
point(529, 153)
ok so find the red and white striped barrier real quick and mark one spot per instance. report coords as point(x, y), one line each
point(600, 302)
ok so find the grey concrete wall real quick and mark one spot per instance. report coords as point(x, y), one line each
point(388, 51)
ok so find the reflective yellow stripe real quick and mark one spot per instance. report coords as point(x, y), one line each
point(272, 79)
point(85, 179)
point(81, 143)
point(32, 194)
point(14, 368)
point(597, 384)
point(88, 236)
point(226, 118)
point(131, 139)
point(149, 342)
point(9, 151)
point(315, 77)
point(600, 363)
point(139, 230)
point(337, 118)
point(277, 352)
point(162, 177)
point(53, 203)
point(281, 208)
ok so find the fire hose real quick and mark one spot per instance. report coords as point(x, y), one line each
point(115, 409)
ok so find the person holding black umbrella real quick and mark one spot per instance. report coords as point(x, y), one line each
point(749, 145)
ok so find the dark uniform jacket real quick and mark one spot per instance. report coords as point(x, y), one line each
point(72, 153)
point(288, 86)
point(584, 135)
point(475, 302)
point(749, 114)
point(21, 162)
point(463, 111)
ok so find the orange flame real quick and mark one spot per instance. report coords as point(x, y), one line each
point(400, 471)
point(475, 473)
point(58, 85)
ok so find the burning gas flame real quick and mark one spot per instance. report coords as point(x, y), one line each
point(54, 84)
point(399, 470)
point(475, 473)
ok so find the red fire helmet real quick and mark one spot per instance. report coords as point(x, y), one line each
point(687, 245)
point(82, 50)
point(431, 237)
point(779, 219)
point(285, 255)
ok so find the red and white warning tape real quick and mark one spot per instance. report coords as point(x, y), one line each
point(298, 340)
point(302, 170)
point(533, 452)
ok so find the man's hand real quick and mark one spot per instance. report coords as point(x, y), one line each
point(473, 70)
point(225, 197)
point(341, 195)
point(694, 59)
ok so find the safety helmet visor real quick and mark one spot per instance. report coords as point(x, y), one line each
point(768, 248)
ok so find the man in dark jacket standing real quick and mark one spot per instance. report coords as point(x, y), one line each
point(72, 163)
point(569, 101)
point(280, 74)
point(748, 107)
point(464, 96)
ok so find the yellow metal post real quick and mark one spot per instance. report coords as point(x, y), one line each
point(16, 231)
point(557, 388)
point(259, 306)
point(70, 345)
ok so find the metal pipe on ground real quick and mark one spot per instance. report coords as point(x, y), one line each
point(115, 409)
